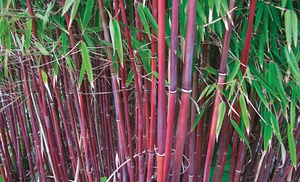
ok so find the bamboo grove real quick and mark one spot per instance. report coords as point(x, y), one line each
point(152, 90)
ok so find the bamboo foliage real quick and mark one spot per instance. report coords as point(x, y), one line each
point(149, 90)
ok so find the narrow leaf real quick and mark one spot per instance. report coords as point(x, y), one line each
point(67, 5)
point(244, 112)
point(241, 134)
point(118, 39)
point(288, 27)
point(294, 20)
point(87, 14)
point(87, 62)
point(41, 48)
point(292, 145)
point(221, 114)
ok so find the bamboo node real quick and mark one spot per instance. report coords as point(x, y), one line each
point(172, 91)
point(186, 91)
point(238, 171)
point(160, 155)
point(222, 74)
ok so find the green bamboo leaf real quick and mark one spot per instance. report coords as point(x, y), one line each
point(143, 18)
point(293, 65)
point(221, 114)
point(204, 92)
point(267, 131)
point(271, 75)
point(241, 134)
point(283, 3)
point(81, 75)
point(46, 16)
point(234, 71)
point(44, 76)
point(70, 63)
point(41, 48)
point(265, 26)
point(129, 77)
point(198, 118)
point(151, 20)
point(276, 17)
point(260, 93)
point(20, 43)
point(279, 85)
point(292, 145)
point(60, 24)
point(6, 65)
point(276, 131)
point(112, 35)
point(258, 16)
point(73, 12)
point(262, 81)
point(146, 59)
point(218, 6)
point(87, 13)
point(212, 70)
point(293, 106)
point(261, 51)
point(294, 20)
point(28, 33)
point(288, 27)
point(200, 12)
point(244, 112)
point(67, 5)
point(232, 89)
point(118, 39)
point(86, 61)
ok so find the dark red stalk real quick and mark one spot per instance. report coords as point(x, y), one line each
point(4, 151)
point(85, 138)
point(125, 95)
point(153, 98)
point(24, 134)
point(117, 98)
point(91, 132)
point(66, 128)
point(199, 133)
point(191, 135)
point(161, 111)
point(172, 89)
point(218, 97)
point(224, 140)
point(33, 126)
point(141, 118)
point(186, 89)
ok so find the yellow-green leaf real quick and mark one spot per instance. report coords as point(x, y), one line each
point(221, 114)
point(41, 48)
point(288, 27)
point(294, 20)
point(45, 77)
point(244, 112)
point(87, 13)
point(67, 5)
point(86, 62)
point(292, 145)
